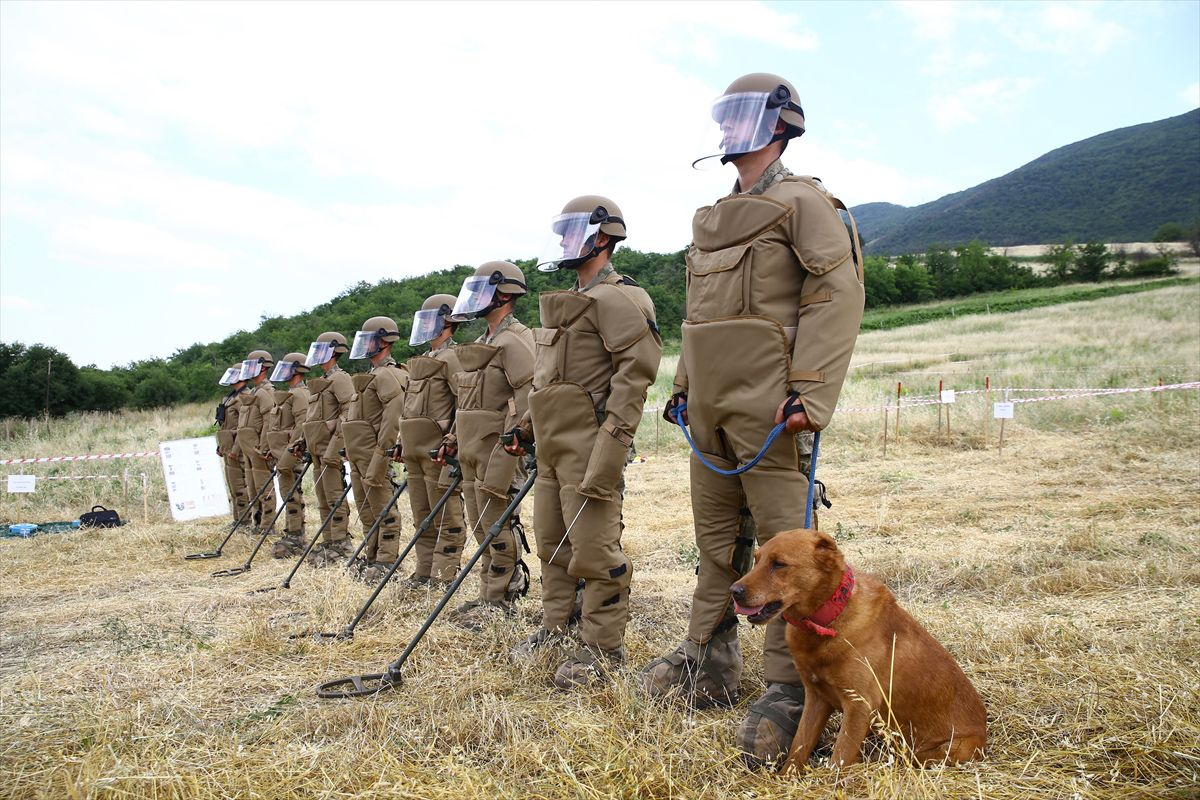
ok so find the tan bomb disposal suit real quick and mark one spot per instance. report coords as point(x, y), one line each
point(283, 432)
point(371, 430)
point(256, 406)
point(493, 390)
point(428, 413)
point(597, 354)
point(228, 412)
point(331, 393)
point(774, 302)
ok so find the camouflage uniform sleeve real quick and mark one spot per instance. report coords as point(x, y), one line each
point(831, 306)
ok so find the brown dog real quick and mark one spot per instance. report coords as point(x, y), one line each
point(859, 652)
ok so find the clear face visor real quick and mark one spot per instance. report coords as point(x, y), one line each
point(283, 371)
point(231, 376)
point(746, 124)
point(318, 354)
point(427, 326)
point(366, 344)
point(475, 297)
point(574, 237)
point(251, 367)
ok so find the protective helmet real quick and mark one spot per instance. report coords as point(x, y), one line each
point(375, 332)
point(288, 366)
point(326, 346)
point(747, 113)
point(256, 361)
point(232, 375)
point(430, 321)
point(478, 294)
point(573, 240)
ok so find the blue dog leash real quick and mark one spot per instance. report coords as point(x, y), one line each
point(677, 415)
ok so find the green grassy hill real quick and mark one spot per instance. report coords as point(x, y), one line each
point(1115, 187)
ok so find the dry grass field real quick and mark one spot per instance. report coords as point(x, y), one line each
point(1063, 575)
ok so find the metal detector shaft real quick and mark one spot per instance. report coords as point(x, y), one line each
point(266, 531)
point(348, 631)
point(287, 582)
point(378, 521)
point(393, 670)
point(236, 523)
point(372, 684)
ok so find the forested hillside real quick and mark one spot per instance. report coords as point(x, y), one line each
point(1119, 186)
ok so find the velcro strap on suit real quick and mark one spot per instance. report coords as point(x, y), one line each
point(612, 430)
point(815, 376)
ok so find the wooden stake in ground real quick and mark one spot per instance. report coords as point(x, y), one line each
point(897, 411)
point(987, 410)
point(939, 406)
point(887, 408)
point(1160, 394)
point(145, 498)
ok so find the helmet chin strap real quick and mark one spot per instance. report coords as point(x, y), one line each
point(778, 137)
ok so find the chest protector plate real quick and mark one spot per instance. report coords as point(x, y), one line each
point(570, 348)
point(482, 384)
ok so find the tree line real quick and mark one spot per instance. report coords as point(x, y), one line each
point(191, 374)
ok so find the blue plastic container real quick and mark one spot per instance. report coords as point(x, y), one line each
point(22, 529)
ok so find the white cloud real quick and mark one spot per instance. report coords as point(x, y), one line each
point(1074, 30)
point(967, 104)
point(130, 245)
point(196, 289)
point(940, 19)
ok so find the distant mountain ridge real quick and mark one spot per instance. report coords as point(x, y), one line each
point(1118, 186)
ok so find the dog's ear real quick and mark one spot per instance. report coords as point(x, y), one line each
point(825, 549)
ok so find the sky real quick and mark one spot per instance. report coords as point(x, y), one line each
point(171, 173)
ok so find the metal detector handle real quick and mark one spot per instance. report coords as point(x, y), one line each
point(514, 437)
point(393, 670)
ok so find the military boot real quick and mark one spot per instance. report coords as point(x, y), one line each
point(373, 573)
point(703, 675)
point(288, 546)
point(475, 615)
point(415, 581)
point(329, 553)
point(541, 641)
point(766, 733)
point(588, 666)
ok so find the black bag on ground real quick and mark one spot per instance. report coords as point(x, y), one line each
point(100, 517)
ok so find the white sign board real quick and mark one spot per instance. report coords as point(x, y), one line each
point(947, 395)
point(195, 478)
point(1002, 410)
point(18, 484)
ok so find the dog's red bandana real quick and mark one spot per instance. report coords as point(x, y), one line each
point(818, 621)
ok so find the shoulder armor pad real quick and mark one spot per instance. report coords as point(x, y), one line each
point(390, 382)
point(628, 281)
point(624, 315)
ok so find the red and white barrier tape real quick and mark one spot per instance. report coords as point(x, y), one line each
point(94, 457)
point(1105, 392)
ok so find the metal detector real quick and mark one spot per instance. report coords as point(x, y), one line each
point(267, 529)
point(375, 527)
point(236, 523)
point(287, 582)
point(348, 631)
point(373, 684)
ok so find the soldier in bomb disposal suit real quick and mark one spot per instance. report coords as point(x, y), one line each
point(774, 302)
point(429, 407)
point(227, 424)
point(371, 431)
point(597, 354)
point(492, 392)
point(282, 431)
point(330, 394)
point(256, 406)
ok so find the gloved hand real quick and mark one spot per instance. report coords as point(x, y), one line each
point(397, 453)
point(516, 439)
point(668, 410)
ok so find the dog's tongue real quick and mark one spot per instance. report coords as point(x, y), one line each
point(738, 608)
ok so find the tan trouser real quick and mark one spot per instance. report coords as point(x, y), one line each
point(362, 499)
point(329, 484)
point(577, 536)
point(260, 472)
point(235, 478)
point(439, 550)
point(730, 415)
point(488, 474)
point(289, 470)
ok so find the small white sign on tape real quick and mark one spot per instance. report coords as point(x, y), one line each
point(947, 395)
point(22, 484)
point(1002, 410)
point(195, 478)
